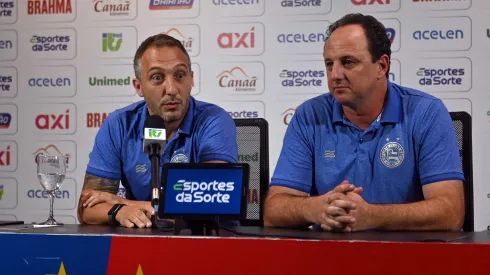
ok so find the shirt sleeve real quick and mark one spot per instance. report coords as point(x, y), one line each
point(218, 139)
point(438, 158)
point(105, 158)
point(294, 168)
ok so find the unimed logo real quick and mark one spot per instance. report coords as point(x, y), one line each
point(105, 81)
point(195, 192)
point(237, 79)
point(49, 7)
point(287, 115)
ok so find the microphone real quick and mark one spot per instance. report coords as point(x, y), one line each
point(154, 144)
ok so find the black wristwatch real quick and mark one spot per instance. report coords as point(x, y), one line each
point(113, 212)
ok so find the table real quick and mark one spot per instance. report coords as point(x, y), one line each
point(76, 249)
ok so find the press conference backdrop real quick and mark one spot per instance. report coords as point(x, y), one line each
point(66, 64)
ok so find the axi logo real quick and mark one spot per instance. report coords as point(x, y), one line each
point(237, 79)
point(113, 7)
point(177, 34)
point(53, 121)
point(301, 3)
point(390, 32)
point(170, 4)
point(237, 40)
point(447, 76)
point(55, 43)
point(370, 2)
point(155, 133)
point(5, 119)
point(5, 156)
point(95, 120)
point(6, 8)
point(305, 78)
point(50, 150)
point(111, 41)
point(287, 115)
point(194, 192)
point(49, 7)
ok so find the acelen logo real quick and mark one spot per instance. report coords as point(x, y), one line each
point(55, 119)
point(111, 41)
point(49, 7)
point(112, 7)
point(287, 115)
point(170, 4)
point(240, 39)
point(237, 79)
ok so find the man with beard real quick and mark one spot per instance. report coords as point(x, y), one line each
point(196, 132)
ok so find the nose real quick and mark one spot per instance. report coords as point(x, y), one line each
point(337, 71)
point(170, 87)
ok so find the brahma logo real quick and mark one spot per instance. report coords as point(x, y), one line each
point(5, 120)
point(112, 7)
point(189, 43)
point(35, 7)
point(195, 192)
point(287, 115)
point(306, 78)
point(95, 120)
point(111, 41)
point(246, 38)
point(238, 80)
point(170, 4)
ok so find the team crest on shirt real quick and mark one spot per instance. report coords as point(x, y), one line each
point(179, 158)
point(392, 154)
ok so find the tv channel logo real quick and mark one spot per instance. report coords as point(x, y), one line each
point(8, 193)
point(54, 118)
point(8, 119)
point(8, 82)
point(188, 35)
point(51, 81)
point(173, 8)
point(441, 34)
point(241, 78)
point(8, 45)
point(393, 29)
point(115, 42)
point(229, 8)
point(65, 148)
point(306, 37)
point(373, 5)
point(113, 9)
point(424, 5)
point(244, 109)
point(298, 7)
point(49, 10)
point(8, 156)
point(240, 38)
point(66, 197)
point(52, 44)
point(442, 75)
point(8, 12)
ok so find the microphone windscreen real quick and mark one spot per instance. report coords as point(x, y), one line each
point(155, 121)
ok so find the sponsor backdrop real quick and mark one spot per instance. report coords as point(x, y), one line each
point(66, 64)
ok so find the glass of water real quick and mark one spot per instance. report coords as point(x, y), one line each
point(51, 171)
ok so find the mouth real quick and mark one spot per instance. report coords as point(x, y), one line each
point(171, 105)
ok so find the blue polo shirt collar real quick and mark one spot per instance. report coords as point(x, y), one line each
point(185, 127)
point(391, 112)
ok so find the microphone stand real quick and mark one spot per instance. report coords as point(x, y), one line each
point(155, 193)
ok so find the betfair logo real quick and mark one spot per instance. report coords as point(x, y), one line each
point(155, 133)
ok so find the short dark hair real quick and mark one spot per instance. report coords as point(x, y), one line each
point(157, 40)
point(375, 31)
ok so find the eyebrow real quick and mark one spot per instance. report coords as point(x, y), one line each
point(171, 69)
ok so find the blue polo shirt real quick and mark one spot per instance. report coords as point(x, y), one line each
point(207, 133)
point(411, 144)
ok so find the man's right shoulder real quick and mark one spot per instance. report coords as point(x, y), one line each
point(126, 115)
point(317, 106)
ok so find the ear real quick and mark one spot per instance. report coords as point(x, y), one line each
point(192, 77)
point(384, 66)
point(137, 86)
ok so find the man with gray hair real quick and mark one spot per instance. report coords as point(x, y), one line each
point(196, 132)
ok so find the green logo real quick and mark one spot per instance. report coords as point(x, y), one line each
point(488, 113)
point(178, 187)
point(488, 195)
point(1, 192)
point(108, 40)
point(155, 133)
point(488, 33)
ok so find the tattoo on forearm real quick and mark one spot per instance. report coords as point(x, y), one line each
point(97, 183)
